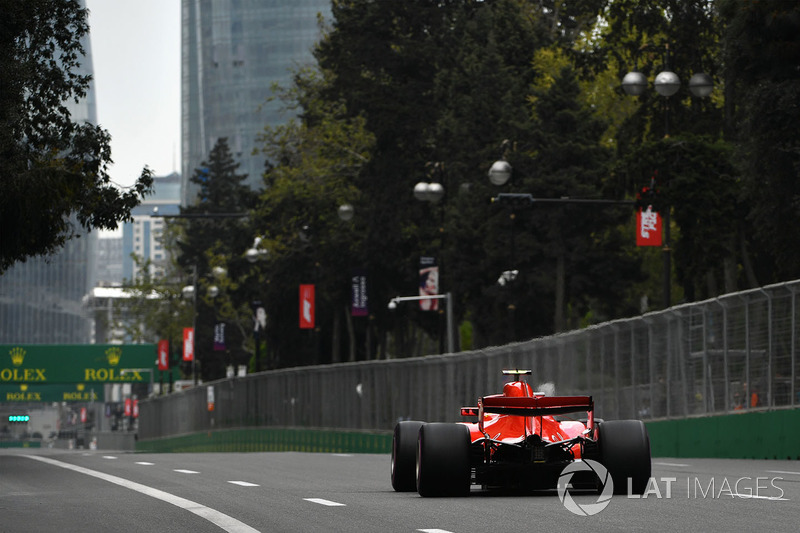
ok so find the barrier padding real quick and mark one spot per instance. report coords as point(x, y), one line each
point(272, 440)
point(747, 435)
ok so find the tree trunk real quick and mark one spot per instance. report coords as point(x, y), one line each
point(560, 291)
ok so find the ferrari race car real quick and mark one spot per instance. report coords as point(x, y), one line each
point(518, 442)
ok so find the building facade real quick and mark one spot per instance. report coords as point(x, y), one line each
point(233, 51)
point(41, 299)
point(142, 236)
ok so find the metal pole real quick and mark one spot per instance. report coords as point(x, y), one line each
point(450, 334)
point(194, 325)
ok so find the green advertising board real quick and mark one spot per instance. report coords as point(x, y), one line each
point(56, 392)
point(44, 364)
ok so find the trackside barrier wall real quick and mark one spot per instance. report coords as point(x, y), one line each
point(732, 355)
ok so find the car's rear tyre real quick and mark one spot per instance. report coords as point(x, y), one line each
point(625, 452)
point(404, 456)
point(443, 467)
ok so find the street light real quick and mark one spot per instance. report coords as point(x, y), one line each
point(345, 212)
point(667, 83)
point(448, 298)
point(254, 254)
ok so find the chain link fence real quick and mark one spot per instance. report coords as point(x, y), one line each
point(736, 352)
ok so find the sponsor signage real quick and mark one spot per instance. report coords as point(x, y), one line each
point(188, 344)
point(428, 283)
point(163, 354)
point(43, 364)
point(648, 227)
point(56, 392)
point(306, 306)
point(358, 284)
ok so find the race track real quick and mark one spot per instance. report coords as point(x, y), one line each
point(69, 491)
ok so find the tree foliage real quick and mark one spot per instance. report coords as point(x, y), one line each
point(54, 170)
point(415, 91)
point(213, 237)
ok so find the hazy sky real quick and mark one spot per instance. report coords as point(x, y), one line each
point(136, 53)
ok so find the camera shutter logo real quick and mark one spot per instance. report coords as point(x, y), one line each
point(589, 509)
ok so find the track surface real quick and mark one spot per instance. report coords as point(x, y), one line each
point(67, 491)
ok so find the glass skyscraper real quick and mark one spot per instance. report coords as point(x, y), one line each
point(232, 53)
point(41, 300)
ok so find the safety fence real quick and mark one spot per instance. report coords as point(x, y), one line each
point(730, 354)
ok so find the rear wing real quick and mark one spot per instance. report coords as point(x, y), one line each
point(531, 406)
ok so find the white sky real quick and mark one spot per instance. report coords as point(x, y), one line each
point(136, 53)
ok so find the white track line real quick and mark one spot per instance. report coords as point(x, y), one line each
point(325, 502)
point(182, 471)
point(243, 483)
point(221, 520)
point(671, 464)
point(783, 472)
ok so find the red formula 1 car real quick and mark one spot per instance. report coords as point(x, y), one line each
point(518, 442)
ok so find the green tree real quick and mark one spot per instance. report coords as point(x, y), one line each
point(216, 232)
point(315, 163)
point(683, 140)
point(54, 169)
point(761, 52)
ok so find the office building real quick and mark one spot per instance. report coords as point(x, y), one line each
point(232, 53)
point(41, 299)
point(142, 236)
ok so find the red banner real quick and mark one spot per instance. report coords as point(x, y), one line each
point(306, 307)
point(128, 406)
point(135, 408)
point(648, 227)
point(163, 354)
point(188, 344)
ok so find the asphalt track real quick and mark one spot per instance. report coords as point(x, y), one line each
point(64, 491)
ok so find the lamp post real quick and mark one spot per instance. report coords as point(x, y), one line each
point(448, 298)
point(667, 83)
point(254, 254)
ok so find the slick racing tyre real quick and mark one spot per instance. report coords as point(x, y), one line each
point(404, 456)
point(443, 466)
point(625, 452)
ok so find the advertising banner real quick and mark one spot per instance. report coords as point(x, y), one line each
point(39, 364)
point(428, 283)
point(163, 354)
point(358, 283)
point(188, 344)
point(219, 337)
point(306, 306)
point(55, 392)
point(648, 227)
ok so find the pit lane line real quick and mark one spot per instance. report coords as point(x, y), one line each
point(221, 520)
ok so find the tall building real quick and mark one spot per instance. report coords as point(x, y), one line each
point(232, 53)
point(41, 299)
point(142, 236)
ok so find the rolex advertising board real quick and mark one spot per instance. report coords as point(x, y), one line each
point(54, 392)
point(88, 364)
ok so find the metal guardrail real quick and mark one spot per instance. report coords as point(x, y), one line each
point(735, 352)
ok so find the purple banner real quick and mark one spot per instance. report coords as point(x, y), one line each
point(219, 337)
point(358, 284)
